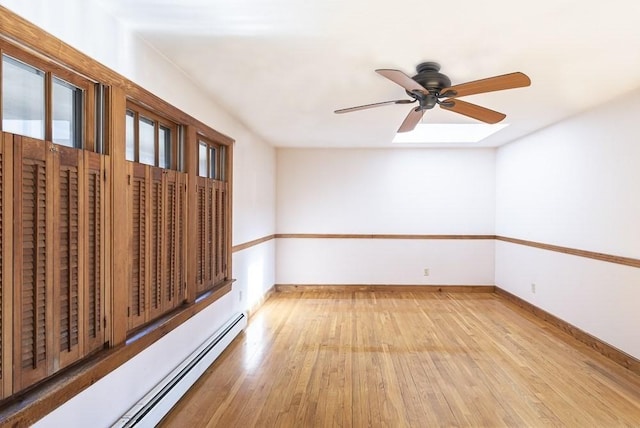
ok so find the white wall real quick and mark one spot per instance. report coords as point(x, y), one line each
point(81, 24)
point(385, 261)
point(575, 185)
point(254, 217)
point(376, 191)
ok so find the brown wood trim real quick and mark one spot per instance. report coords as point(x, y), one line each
point(340, 288)
point(253, 243)
point(612, 353)
point(26, 408)
point(8, 257)
point(377, 236)
point(627, 261)
point(258, 241)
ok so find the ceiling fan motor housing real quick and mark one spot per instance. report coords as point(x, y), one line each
point(429, 76)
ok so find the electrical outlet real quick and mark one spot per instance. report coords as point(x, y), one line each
point(426, 271)
point(533, 287)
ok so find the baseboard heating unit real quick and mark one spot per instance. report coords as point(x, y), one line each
point(150, 410)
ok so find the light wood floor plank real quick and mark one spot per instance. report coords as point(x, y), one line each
point(406, 359)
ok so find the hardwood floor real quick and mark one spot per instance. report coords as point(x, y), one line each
point(357, 359)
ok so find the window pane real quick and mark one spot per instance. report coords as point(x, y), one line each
point(22, 98)
point(131, 132)
point(147, 141)
point(202, 160)
point(67, 114)
point(212, 163)
point(164, 147)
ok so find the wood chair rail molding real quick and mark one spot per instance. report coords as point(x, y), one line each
point(378, 236)
point(251, 243)
point(610, 258)
point(626, 261)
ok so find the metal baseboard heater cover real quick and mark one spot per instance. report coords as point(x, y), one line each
point(150, 410)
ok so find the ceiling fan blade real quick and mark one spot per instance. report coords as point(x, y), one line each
point(497, 83)
point(471, 110)
point(366, 106)
point(412, 119)
point(401, 79)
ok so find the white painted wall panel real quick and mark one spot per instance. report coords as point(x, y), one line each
point(408, 191)
point(255, 272)
point(383, 261)
point(574, 184)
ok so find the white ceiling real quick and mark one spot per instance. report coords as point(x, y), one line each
point(281, 67)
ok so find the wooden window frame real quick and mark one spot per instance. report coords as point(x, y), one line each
point(158, 120)
point(53, 70)
point(219, 163)
point(213, 211)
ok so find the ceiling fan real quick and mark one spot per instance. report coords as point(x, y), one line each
point(430, 88)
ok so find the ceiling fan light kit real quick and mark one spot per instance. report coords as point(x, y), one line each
point(429, 88)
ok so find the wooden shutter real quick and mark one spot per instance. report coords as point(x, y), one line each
point(158, 270)
point(69, 256)
point(138, 281)
point(212, 233)
point(95, 240)
point(58, 246)
point(201, 250)
point(173, 271)
point(157, 237)
point(225, 233)
point(220, 231)
point(33, 211)
point(216, 227)
point(181, 235)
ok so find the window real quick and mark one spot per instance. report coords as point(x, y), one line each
point(130, 124)
point(211, 160)
point(57, 218)
point(151, 139)
point(158, 204)
point(67, 114)
point(146, 141)
point(212, 219)
point(22, 98)
point(164, 147)
point(37, 102)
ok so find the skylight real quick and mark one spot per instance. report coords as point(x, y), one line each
point(448, 133)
